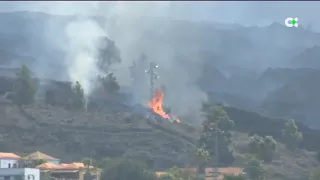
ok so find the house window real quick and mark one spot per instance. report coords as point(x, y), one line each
point(9, 165)
point(31, 177)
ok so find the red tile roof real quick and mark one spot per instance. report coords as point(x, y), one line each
point(47, 166)
point(228, 170)
point(4, 155)
point(69, 166)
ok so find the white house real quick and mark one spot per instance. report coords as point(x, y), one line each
point(9, 160)
point(19, 174)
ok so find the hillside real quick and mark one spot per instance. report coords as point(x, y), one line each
point(72, 135)
point(307, 58)
point(254, 123)
point(242, 66)
point(230, 66)
point(286, 165)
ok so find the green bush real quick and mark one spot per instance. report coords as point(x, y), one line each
point(128, 170)
point(263, 147)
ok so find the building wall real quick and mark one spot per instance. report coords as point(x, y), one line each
point(19, 173)
point(9, 163)
point(35, 173)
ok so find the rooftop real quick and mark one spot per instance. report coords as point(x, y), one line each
point(69, 166)
point(39, 155)
point(5, 155)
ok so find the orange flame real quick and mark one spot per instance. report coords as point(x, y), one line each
point(156, 104)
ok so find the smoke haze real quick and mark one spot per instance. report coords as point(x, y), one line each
point(254, 13)
point(130, 26)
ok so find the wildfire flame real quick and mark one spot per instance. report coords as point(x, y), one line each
point(156, 105)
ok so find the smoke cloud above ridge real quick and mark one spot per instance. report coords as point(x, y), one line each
point(127, 24)
point(130, 26)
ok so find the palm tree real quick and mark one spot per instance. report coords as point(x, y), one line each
point(203, 156)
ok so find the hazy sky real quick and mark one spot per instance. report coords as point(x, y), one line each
point(240, 12)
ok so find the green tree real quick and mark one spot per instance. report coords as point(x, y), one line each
point(315, 174)
point(24, 88)
point(128, 170)
point(255, 169)
point(107, 163)
point(255, 144)
point(263, 148)
point(38, 162)
point(291, 136)
point(234, 177)
point(78, 100)
point(268, 149)
point(217, 125)
point(110, 83)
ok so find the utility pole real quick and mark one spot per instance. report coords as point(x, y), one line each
point(133, 70)
point(153, 76)
point(137, 69)
point(216, 169)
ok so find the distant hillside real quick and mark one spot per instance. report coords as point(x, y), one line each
point(294, 95)
point(308, 58)
point(254, 123)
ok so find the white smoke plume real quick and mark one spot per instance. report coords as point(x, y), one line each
point(82, 52)
point(127, 24)
point(148, 27)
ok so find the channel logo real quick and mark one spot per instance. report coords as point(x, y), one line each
point(291, 22)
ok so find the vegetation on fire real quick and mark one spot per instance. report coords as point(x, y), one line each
point(263, 148)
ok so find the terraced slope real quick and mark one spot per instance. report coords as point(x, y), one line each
point(69, 135)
